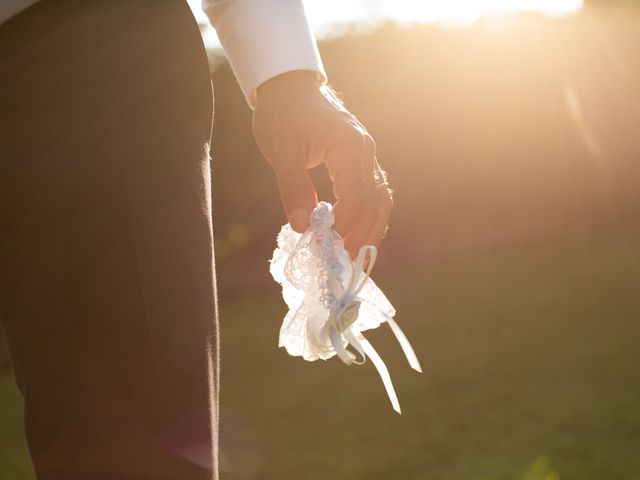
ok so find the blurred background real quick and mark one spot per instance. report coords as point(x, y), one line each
point(511, 134)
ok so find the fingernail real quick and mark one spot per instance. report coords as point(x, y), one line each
point(299, 219)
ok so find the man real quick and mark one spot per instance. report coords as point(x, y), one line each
point(107, 282)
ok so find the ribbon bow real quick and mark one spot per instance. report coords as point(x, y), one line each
point(345, 312)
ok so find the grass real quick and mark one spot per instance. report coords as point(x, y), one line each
point(530, 364)
point(14, 458)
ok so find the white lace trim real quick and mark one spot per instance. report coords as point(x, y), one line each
point(331, 299)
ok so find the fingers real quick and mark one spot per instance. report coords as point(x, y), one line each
point(362, 210)
point(374, 222)
point(359, 232)
point(288, 158)
point(298, 195)
point(297, 129)
point(346, 165)
point(379, 229)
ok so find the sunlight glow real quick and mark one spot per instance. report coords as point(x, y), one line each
point(328, 16)
point(466, 12)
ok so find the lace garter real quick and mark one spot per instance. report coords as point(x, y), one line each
point(332, 299)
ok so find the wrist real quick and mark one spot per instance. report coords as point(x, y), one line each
point(296, 80)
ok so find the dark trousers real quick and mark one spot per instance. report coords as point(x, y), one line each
point(107, 281)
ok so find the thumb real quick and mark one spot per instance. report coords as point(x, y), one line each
point(298, 196)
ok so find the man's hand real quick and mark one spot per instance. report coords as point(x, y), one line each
point(299, 124)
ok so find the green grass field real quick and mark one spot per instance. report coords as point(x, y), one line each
point(531, 372)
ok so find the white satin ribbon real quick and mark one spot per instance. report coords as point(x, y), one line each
point(344, 314)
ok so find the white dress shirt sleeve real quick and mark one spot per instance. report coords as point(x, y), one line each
point(264, 38)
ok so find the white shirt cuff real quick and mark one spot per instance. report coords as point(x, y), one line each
point(263, 39)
